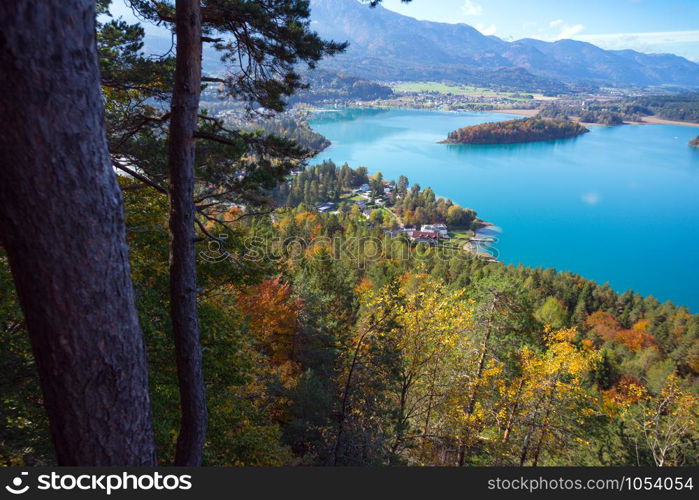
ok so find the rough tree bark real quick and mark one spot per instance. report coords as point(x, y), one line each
point(62, 225)
point(183, 277)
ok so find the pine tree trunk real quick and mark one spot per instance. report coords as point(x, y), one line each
point(401, 418)
point(183, 277)
point(344, 407)
point(471, 406)
point(430, 402)
point(525, 447)
point(528, 437)
point(62, 225)
point(513, 413)
point(545, 425)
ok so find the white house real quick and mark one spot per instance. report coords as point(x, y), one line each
point(436, 228)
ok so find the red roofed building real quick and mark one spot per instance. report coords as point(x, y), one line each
point(430, 237)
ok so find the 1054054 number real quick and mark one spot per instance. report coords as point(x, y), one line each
point(658, 483)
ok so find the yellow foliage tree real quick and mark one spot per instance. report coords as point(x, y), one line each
point(552, 398)
point(425, 328)
point(667, 423)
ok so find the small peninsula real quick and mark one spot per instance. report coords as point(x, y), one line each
point(516, 131)
point(695, 142)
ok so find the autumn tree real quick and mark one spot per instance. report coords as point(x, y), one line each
point(273, 314)
point(428, 333)
point(499, 315)
point(558, 397)
point(243, 414)
point(666, 423)
point(406, 354)
point(603, 324)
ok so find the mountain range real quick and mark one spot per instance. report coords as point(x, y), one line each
point(385, 45)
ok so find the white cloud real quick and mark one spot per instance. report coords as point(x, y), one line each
point(471, 8)
point(591, 198)
point(570, 31)
point(683, 43)
point(486, 30)
point(656, 38)
point(562, 30)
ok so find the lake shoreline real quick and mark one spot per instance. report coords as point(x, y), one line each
point(648, 120)
point(526, 112)
point(605, 184)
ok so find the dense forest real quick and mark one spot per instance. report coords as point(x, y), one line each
point(328, 342)
point(515, 131)
point(416, 206)
point(681, 107)
point(602, 113)
point(330, 86)
point(198, 309)
point(320, 183)
point(293, 128)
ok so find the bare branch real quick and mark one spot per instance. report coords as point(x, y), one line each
point(138, 176)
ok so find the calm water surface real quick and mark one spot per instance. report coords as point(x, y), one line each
point(617, 205)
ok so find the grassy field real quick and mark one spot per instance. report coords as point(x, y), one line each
point(462, 234)
point(462, 90)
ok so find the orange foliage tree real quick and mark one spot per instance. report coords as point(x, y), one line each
point(635, 339)
point(272, 314)
point(603, 324)
point(606, 326)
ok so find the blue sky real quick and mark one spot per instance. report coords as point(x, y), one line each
point(643, 25)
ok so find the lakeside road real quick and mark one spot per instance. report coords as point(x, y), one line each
point(655, 120)
point(522, 112)
point(647, 120)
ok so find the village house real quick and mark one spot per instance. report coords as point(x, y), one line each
point(437, 228)
point(429, 237)
point(326, 207)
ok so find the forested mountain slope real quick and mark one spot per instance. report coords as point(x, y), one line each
point(388, 45)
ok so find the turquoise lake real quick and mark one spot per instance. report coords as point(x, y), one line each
point(617, 205)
